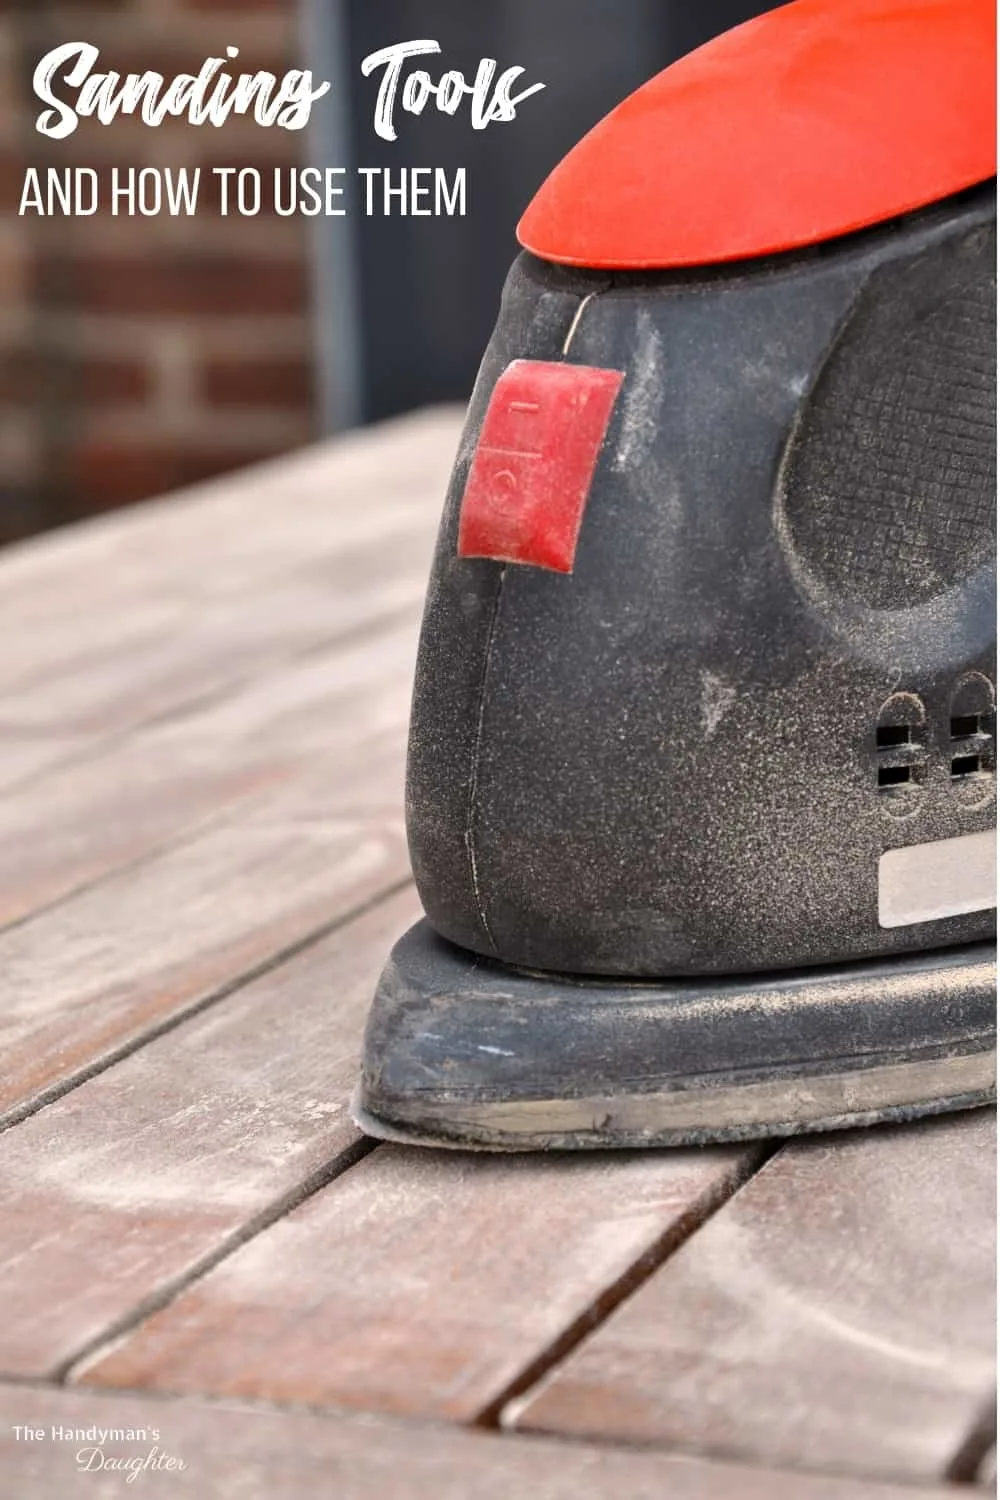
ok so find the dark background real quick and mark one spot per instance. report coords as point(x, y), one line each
point(140, 355)
point(429, 288)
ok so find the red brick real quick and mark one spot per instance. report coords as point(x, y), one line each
point(26, 375)
point(12, 169)
point(15, 278)
point(102, 475)
point(104, 379)
point(21, 376)
point(233, 6)
point(208, 270)
point(224, 284)
point(284, 383)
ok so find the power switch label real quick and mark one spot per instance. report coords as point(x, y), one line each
point(532, 470)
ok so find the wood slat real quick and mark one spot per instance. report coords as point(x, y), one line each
point(24, 757)
point(214, 648)
point(118, 1189)
point(85, 821)
point(423, 1283)
point(252, 1453)
point(230, 536)
point(148, 612)
point(838, 1314)
point(73, 685)
point(208, 697)
point(138, 608)
point(97, 973)
point(328, 714)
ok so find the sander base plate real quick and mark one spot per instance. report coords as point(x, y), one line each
point(468, 1053)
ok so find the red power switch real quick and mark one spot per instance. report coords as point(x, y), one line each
point(532, 469)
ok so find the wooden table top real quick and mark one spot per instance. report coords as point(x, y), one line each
point(202, 867)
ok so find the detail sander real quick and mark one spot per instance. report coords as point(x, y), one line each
point(702, 764)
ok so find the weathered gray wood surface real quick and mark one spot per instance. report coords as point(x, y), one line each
point(125, 1187)
point(433, 1280)
point(202, 865)
point(838, 1313)
point(231, 1452)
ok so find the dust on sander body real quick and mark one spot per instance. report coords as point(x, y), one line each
point(701, 779)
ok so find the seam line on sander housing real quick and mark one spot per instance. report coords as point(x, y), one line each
point(470, 821)
point(576, 319)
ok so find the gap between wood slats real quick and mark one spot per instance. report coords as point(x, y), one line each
point(280, 565)
point(121, 1190)
point(81, 825)
point(141, 706)
point(972, 1461)
point(99, 1170)
point(169, 1023)
point(244, 529)
point(103, 1347)
point(108, 1337)
point(433, 1281)
point(257, 1451)
point(116, 1015)
point(613, 1296)
point(103, 702)
point(202, 645)
point(836, 1315)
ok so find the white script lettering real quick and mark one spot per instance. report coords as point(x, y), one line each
point(71, 86)
point(489, 102)
point(208, 97)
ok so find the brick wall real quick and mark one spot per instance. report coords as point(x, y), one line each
point(139, 354)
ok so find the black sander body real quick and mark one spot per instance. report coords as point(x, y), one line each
point(702, 768)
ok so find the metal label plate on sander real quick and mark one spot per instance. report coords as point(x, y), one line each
point(924, 882)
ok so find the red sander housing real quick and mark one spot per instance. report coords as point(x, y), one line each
point(702, 767)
